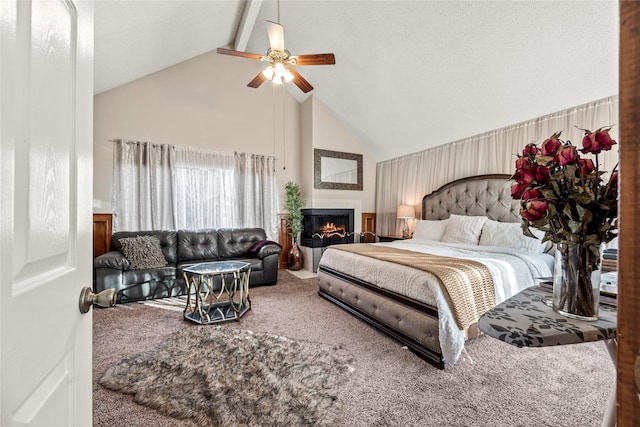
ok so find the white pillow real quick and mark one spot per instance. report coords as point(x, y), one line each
point(430, 229)
point(464, 229)
point(509, 235)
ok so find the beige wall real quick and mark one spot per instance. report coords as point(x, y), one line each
point(321, 129)
point(204, 102)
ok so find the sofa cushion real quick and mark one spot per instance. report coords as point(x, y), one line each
point(143, 252)
point(197, 245)
point(235, 242)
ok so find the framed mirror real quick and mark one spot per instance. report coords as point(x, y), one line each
point(335, 170)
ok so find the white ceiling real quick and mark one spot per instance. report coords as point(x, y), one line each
point(409, 75)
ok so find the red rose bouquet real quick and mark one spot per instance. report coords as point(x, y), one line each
point(563, 193)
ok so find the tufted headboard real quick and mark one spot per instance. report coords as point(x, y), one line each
point(485, 195)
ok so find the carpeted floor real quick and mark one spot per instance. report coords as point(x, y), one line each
point(494, 385)
point(251, 378)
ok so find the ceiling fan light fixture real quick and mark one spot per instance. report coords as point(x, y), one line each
point(287, 76)
point(268, 72)
point(277, 73)
point(279, 70)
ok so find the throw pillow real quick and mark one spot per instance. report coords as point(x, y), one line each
point(255, 248)
point(464, 229)
point(509, 235)
point(430, 229)
point(143, 252)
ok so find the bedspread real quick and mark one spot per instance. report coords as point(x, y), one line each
point(512, 271)
point(468, 283)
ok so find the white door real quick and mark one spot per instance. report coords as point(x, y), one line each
point(46, 114)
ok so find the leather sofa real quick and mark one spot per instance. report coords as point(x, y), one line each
point(183, 248)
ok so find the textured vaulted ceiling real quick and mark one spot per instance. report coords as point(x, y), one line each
point(409, 75)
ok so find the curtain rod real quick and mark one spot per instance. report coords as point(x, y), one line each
point(153, 144)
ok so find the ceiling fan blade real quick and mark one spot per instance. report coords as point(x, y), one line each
point(276, 36)
point(316, 59)
point(224, 51)
point(257, 80)
point(300, 81)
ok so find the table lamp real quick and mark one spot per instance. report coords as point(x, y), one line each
point(405, 212)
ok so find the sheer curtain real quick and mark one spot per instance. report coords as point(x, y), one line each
point(203, 186)
point(405, 180)
point(158, 187)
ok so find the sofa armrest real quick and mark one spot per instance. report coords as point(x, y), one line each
point(267, 250)
point(112, 259)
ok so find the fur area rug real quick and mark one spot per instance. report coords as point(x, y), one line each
point(220, 376)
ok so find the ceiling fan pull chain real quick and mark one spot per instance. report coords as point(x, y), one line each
point(273, 121)
point(284, 145)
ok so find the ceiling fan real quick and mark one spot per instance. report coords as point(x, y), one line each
point(281, 62)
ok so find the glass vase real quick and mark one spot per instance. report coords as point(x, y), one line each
point(295, 260)
point(576, 281)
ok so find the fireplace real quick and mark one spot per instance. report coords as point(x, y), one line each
point(324, 227)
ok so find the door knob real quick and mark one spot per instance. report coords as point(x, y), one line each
point(106, 298)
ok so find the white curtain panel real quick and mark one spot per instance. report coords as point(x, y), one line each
point(406, 180)
point(165, 187)
point(203, 181)
point(141, 195)
point(256, 192)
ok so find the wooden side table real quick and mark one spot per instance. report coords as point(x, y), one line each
point(101, 233)
point(528, 320)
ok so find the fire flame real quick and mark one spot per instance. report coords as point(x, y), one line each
point(330, 229)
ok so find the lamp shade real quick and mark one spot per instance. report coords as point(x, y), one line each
point(406, 211)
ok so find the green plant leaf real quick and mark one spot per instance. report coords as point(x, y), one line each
point(293, 204)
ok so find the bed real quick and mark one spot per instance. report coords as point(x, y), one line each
point(467, 255)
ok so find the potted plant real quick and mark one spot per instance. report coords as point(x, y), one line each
point(293, 203)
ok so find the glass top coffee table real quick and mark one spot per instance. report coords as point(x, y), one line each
point(217, 291)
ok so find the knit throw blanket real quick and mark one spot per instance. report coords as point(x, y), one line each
point(466, 284)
